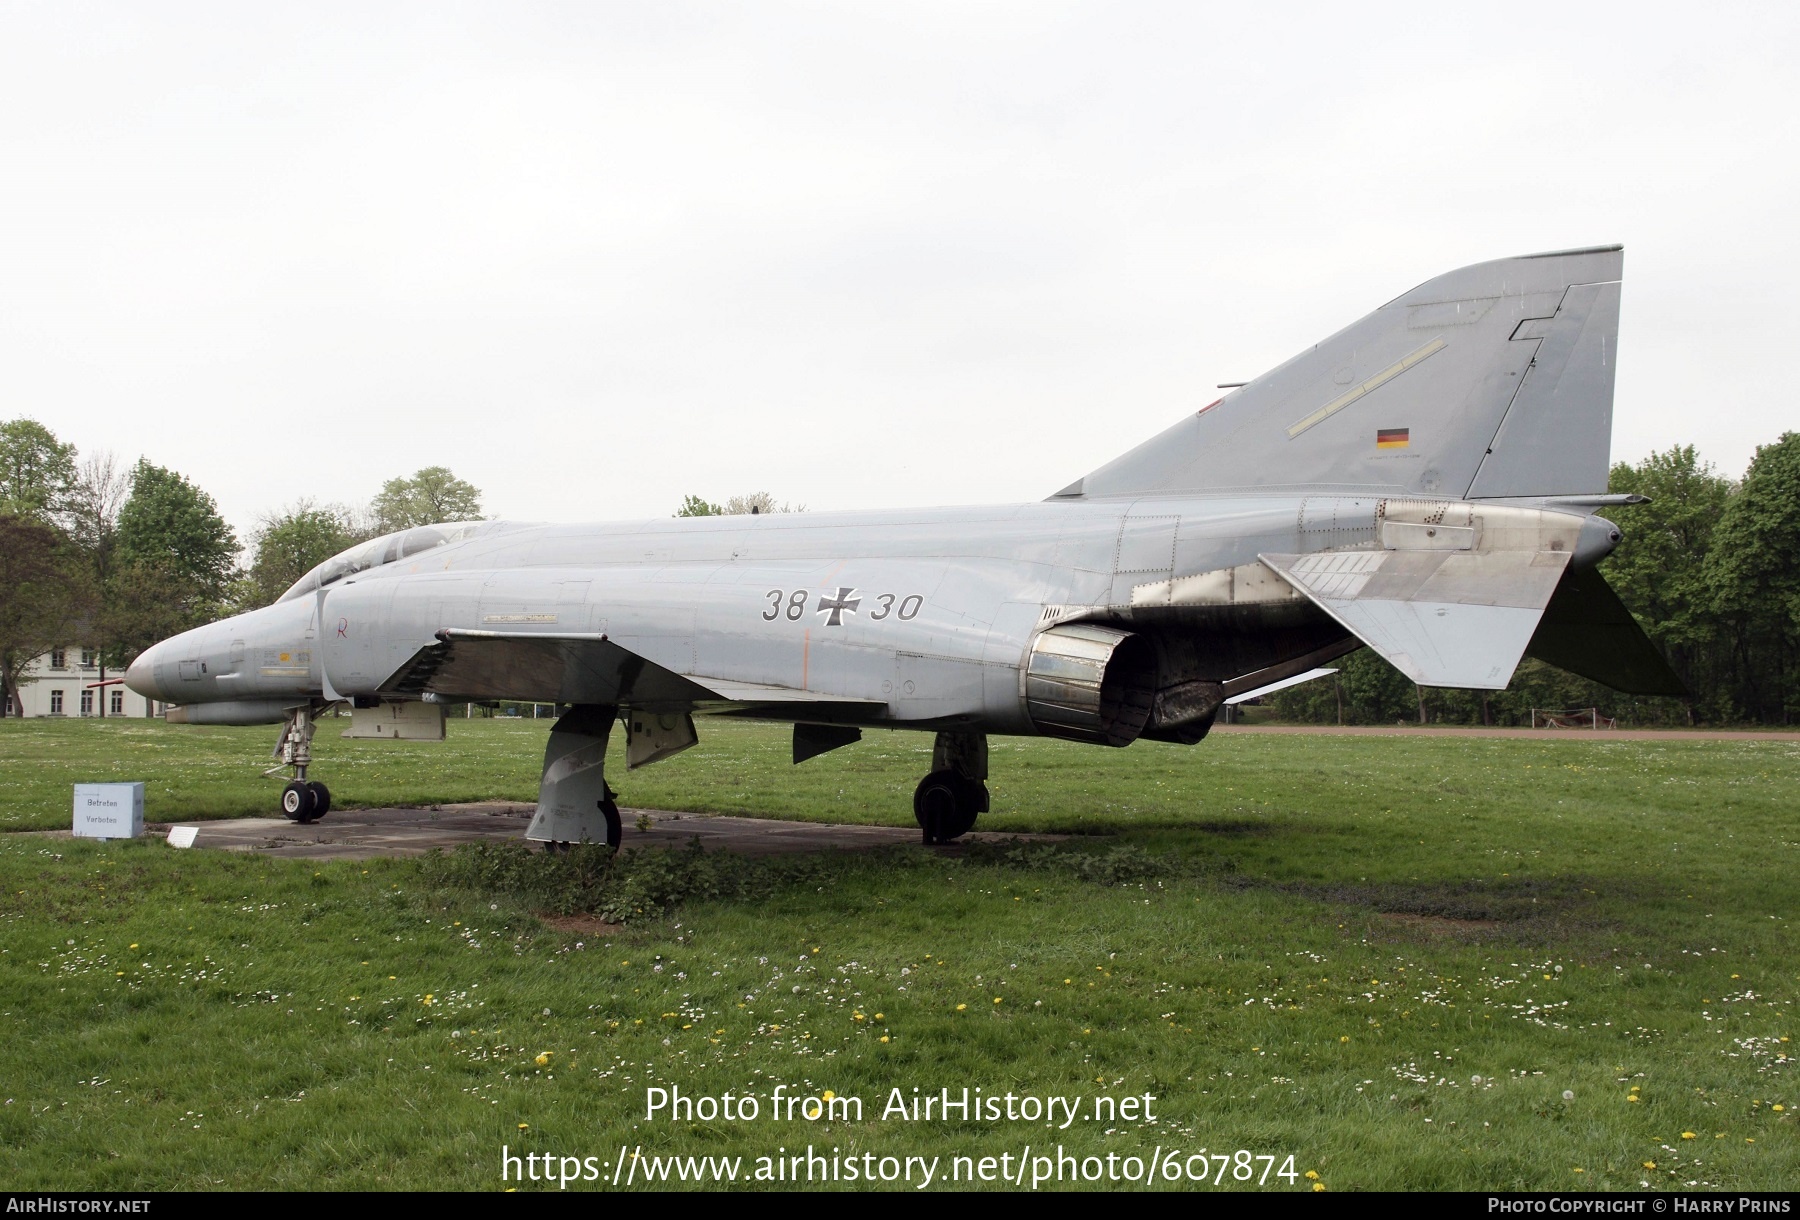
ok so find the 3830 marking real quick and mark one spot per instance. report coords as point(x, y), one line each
point(791, 605)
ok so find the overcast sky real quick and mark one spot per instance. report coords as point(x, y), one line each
point(594, 256)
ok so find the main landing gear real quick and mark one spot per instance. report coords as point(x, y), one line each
point(303, 801)
point(947, 801)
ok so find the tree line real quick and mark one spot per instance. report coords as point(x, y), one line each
point(115, 557)
point(1709, 566)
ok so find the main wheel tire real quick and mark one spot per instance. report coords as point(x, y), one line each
point(615, 829)
point(321, 799)
point(298, 802)
point(946, 805)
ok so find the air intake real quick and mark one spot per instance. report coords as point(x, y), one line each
point(1090, 684)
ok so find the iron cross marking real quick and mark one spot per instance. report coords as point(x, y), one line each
point(838, 606)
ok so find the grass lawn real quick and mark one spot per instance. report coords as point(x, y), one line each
point(1405, 962)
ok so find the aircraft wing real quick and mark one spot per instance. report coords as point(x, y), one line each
point(584, 668)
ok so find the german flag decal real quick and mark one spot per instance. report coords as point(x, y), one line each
point(1392, 438)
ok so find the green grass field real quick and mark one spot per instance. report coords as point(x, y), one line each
point(1405, 962)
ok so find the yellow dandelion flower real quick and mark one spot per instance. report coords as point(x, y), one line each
point(1649, 1164)
point(996, 999)
point(1345, 1038)
point(1312, 1175)
point(884, 1037)
point(524, 1126)
point(878, 1016)
point(1318, 1186)
point(134, 946)
point(1687, 1135)
point(543, 1058)
point(1634, 1097)
point(1780, 1107)
point(960, 1007)
point(828, 1095)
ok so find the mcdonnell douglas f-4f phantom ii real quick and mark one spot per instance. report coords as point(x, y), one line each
point(1425, 482)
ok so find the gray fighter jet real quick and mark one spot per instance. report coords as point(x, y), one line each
point(1425, 483)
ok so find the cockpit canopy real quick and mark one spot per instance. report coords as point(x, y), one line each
point(402, 544)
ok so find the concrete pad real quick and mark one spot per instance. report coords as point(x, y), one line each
point(363, 834)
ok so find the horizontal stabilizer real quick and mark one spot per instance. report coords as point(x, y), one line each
point(1443, 618)
point(573, 669)
point(1588, 631)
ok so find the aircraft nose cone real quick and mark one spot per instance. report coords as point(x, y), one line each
point(140, 675)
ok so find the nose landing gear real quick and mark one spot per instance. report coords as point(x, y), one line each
point(303, 801)
point(947, 801)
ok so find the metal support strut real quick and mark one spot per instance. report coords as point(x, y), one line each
point(575, 804)
point(303, 800)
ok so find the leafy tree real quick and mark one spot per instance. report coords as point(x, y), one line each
point(98, 495)
point(749, 502)
point(1659, 569)
point(170, 524)
point(150, 603)
point(293, 542)
point(1754, 572)
point(694, 506)
point(430, 496)
point(174, 560)
point(41, 593)
point(759, 502)
point(37, 471)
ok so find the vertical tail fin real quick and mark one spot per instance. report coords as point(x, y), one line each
point(1492, 381)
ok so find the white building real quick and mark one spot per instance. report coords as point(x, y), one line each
point(66, 682)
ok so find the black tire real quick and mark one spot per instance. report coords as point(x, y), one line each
point(298, 803)
point(321, 799)
point(615, 829)
point(946, 805)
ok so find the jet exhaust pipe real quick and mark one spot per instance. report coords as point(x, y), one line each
point(1091, 684)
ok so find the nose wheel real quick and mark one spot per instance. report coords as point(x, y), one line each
point(302, 800)
point(305, 801)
